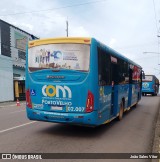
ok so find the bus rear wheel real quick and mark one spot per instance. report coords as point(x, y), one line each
point(121, 111)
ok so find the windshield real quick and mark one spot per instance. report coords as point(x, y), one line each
point(148, 78)
point(61, 56)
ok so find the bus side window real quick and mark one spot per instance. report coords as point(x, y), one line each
point(130, 75)
point(103, 67)
point(123, 72)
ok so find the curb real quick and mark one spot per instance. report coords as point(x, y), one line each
point(156, 140)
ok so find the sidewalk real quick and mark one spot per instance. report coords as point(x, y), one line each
point(156, 140)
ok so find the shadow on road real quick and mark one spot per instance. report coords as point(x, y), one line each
point(81, 131)
point(77, 131)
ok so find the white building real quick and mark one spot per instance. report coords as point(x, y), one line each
point(6, 79)
point(13, 43)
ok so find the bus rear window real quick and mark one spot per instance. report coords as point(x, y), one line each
point(148, 78)
point(61, 56)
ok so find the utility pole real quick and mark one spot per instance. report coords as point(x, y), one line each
point(67, 27)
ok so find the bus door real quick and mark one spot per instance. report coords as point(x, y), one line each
point(114, 82)
point(130, 87)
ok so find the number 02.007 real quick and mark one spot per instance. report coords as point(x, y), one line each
point(76, 109)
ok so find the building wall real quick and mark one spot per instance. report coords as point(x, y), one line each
point(0, 38)
point(13, 43)
point(17, 71)
point(19, 40)
point(6, 79)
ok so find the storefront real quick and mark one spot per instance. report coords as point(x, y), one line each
point(19, 88)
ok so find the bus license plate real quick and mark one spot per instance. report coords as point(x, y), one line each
point(56, 108)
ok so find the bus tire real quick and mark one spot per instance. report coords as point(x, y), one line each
point(121, 111)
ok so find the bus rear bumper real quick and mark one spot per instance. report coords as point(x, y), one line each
point(88, 119)
point(147, 91)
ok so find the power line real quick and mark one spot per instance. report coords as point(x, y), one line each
point(156, 24)
point(57, 8)
point(155, 15)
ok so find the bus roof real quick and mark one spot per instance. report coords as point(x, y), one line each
point(78, 40)
point(81, 40)
point(151, 75)
point(117, 54)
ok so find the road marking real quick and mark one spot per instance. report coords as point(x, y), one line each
point(17, 111)
point(11, 105)
point(22, 125)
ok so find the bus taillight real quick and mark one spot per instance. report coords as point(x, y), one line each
point(90, 102)
point(28, 99)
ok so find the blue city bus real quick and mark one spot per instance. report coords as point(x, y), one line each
point(150, 85)
point(79, 81)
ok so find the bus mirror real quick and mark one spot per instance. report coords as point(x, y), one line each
point(143, 75)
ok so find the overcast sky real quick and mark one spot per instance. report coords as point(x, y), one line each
point(128, 26)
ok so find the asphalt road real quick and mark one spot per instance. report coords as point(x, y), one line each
point(133, 134)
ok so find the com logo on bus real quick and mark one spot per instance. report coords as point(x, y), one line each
point(145, 85)
point(54, 91)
